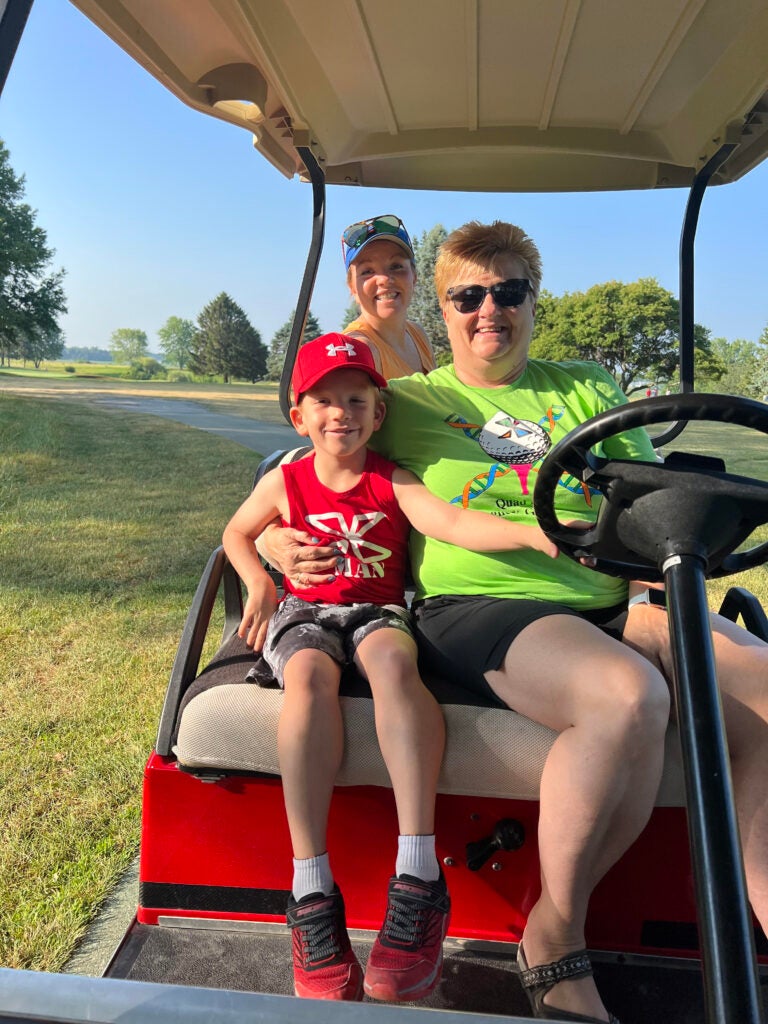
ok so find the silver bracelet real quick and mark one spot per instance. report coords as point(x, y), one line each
point(644, 597)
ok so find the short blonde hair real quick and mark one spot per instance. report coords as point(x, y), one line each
point(476, 246)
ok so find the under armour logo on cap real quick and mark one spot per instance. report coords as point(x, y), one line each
point(328, 353)
point(347, 347)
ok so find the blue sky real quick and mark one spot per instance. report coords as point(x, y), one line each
point(154, 209)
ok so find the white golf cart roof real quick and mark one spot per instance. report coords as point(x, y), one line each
point(477, 95)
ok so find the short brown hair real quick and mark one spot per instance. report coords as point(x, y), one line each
point(483, 247)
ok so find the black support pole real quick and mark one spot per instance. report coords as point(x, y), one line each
point(687, 240)
point(12, 21)
point(731, 984)
point(317, 177)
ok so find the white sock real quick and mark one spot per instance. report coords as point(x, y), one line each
point(416, 856)
point(312, 875)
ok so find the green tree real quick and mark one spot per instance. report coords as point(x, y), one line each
point(761, 378)
point(554, 335)
point(630, 329)
point(31, 300)
point(175, 338)
point(741, 361)
point(761, 374)
point(40, 345)
point(226, 344)
point(127, 344)
point(279, 344)
point(146, 368)
point(425, 306)
point(352, 312)
point(708, 367)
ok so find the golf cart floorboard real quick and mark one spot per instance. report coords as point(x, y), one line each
point(637, 989)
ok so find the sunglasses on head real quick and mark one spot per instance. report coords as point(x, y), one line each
point(506, 294)
point(356, 234)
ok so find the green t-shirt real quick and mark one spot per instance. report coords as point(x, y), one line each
point(481, 448)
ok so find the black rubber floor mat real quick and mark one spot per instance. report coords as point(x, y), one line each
point(472, 981)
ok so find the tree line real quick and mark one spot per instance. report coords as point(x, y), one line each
point(222, 343)
point(630, 329)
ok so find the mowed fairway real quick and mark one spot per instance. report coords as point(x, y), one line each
point(90, 384)
point(106, 521)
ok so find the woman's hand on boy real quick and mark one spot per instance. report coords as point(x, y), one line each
point(304, 559)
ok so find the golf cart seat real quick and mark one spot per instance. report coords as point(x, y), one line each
point(229, 726)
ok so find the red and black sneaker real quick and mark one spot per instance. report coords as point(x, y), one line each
point(407, 956)
point(324, 965)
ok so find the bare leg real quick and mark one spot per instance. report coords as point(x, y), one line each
point(742, 670)
point(310, 743)
point(610, 707)
point(409, 725)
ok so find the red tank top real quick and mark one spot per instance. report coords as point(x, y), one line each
point(365, 522)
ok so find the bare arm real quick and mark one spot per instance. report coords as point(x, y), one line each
point(259, 508)
point(475, 531)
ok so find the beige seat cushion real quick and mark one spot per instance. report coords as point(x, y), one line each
point(490, 751)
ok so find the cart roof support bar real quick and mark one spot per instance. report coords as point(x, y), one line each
point(687, 240)
point(13, 18)
point(317, 177)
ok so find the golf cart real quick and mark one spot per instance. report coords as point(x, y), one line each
point(600, 96)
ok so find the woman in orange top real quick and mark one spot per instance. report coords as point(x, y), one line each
point(381, 274)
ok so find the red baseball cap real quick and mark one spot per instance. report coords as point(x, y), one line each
point(332, 352)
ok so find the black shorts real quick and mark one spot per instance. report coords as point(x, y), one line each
point(335, 629)
point(463, 637)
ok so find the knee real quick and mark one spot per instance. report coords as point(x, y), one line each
point(311, 678)
point(640, 702)
point(394, 667)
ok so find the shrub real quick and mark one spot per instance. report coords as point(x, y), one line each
point(146, 368)
point(69, 369)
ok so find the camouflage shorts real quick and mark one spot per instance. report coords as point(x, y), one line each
point(336, 629)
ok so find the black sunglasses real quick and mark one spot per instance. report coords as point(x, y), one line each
point(505, 293)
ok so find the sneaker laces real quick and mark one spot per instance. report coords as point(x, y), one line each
point(320, 939)
point(404, 923)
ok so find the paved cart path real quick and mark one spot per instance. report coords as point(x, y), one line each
point(264, 438)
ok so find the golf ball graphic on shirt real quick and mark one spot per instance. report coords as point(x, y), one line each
point(512, 441)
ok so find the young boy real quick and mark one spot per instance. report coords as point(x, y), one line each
point(366, 505)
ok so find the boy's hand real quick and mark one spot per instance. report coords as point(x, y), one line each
point(300, 556)
point(540, 542)
point(543, 543)
point(262, 602)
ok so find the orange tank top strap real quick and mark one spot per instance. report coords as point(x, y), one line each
point(390, 362)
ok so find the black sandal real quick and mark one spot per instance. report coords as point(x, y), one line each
point(537, 981)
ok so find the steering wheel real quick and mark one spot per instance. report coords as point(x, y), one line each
point(650, 511)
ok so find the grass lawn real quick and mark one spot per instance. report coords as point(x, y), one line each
point(106, 521)
point(64, 369)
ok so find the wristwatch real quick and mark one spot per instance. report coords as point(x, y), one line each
point(644, 597)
